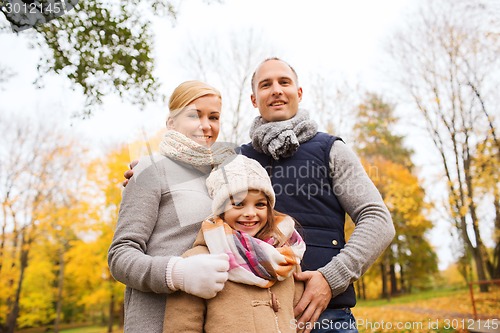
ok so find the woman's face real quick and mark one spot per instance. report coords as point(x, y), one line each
point(248, 212)
point(200, 120)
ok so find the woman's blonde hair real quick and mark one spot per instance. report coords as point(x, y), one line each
point(186, 93)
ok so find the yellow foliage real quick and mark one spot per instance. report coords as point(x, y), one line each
point(452, 276)
point(39, 294)
point(400, 189)
point(463, 211)
point(486, 167)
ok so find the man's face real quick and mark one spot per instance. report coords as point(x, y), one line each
point(276, 93)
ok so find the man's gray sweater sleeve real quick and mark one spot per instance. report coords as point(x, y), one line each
point(373, 230)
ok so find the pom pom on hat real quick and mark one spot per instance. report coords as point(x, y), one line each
point(237, 174)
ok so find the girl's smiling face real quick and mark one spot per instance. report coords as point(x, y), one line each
point(248, 213)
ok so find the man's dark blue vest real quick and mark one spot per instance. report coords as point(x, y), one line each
point(303, 188)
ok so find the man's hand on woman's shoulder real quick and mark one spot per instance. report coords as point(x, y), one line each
point(130, 172)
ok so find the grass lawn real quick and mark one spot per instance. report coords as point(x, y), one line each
point(424, 295)
point(432, 311)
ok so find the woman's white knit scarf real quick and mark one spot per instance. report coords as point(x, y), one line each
point(180, 148)
point(281, 139)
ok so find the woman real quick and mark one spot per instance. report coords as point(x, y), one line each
point(161, 211)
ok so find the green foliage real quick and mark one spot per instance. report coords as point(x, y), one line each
point(375, 134)
point(410, 298)
point(104, 47)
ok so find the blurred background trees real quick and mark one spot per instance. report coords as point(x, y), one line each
point(38, 180)
point(410, 262)
point(446, 60)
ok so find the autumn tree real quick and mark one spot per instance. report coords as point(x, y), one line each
point(446, 60)
point(38, 294)
point(43, 299)
point(65, 223)
point(92, 286)
point(102, 292)
point(56, 224)
point(410, 260)
point(37, 166)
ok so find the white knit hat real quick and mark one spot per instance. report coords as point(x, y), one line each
point(237, 174)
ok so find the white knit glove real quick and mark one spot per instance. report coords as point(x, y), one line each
point(202, 275)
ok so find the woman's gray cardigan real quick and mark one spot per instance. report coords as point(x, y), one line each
point(160, 214)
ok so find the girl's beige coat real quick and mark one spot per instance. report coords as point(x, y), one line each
point(237, 308)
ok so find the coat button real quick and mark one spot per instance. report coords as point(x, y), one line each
point(274, 302)
point(334, 242)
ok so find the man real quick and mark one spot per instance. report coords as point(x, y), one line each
point(317, 180)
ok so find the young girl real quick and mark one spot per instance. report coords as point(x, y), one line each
point(264, 250)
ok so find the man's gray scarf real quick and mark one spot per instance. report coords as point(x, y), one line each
point(281, 139)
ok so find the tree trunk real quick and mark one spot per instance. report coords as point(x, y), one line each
point(360, 286)
point(477, 251)
point(14, 312)
point(494, 264)
point(481, 274)
point(402, 281)
point(111, 309)
point(60, 285)
point(394, 280)
point(2, 239)
point(385, 288)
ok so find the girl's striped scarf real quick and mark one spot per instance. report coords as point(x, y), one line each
point(251, 260)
